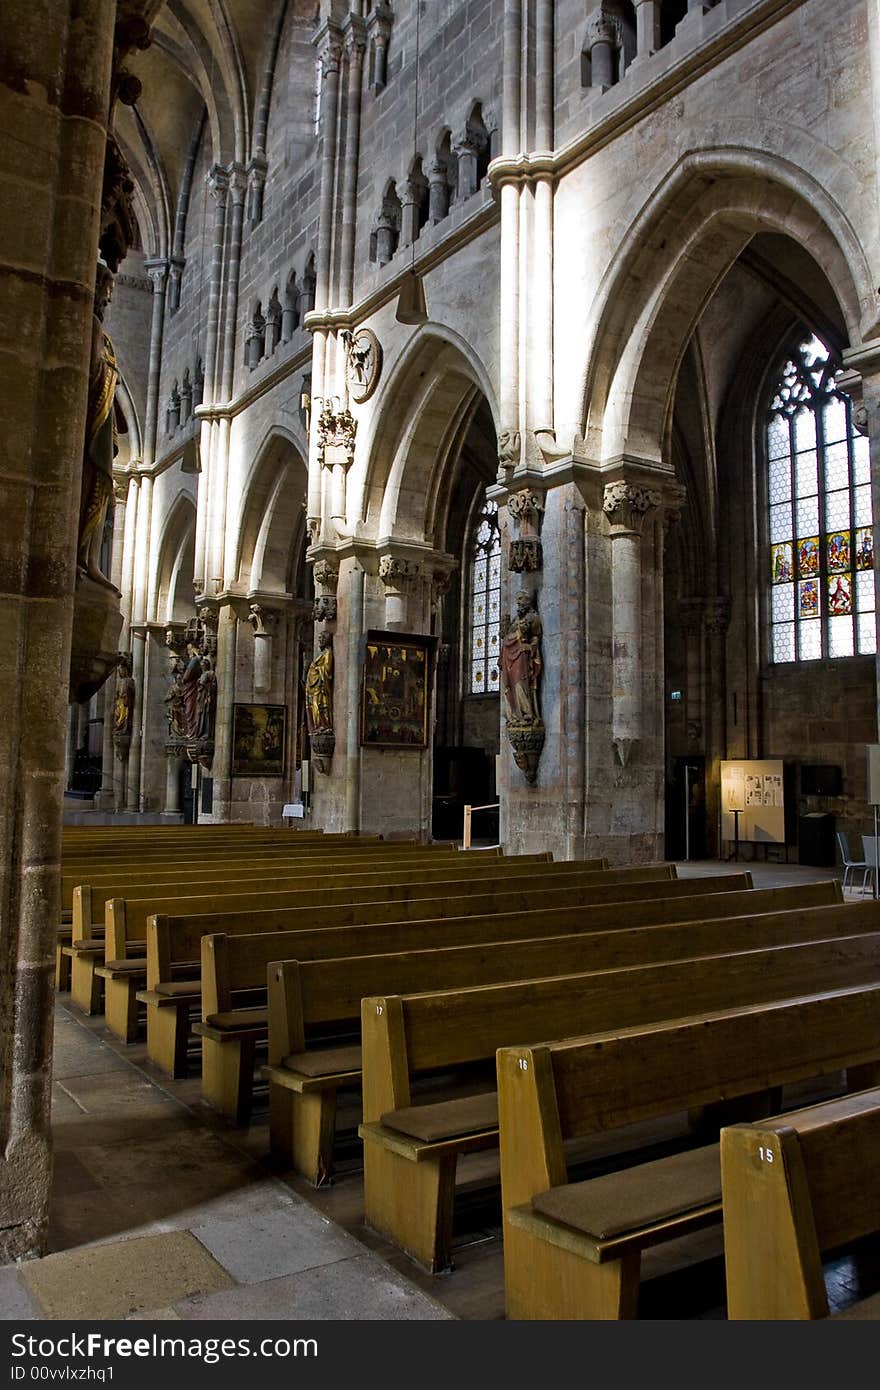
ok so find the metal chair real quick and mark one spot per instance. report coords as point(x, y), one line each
point(869, 850)
point(850, 865)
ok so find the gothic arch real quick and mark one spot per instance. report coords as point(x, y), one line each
point(675, 255)
point(444, 382)
point(271, 530)
point(175, 595)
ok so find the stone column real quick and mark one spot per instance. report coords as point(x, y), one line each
point(717, 621)
point(264, 621)
point(438, 192)
point(466, 154)
point(53, 116)
point(602, 39)
point(356, 578)
point(647, 28)
point(398, 576)
point(221, 763)
point(218, 185)
point(355, 47)
point(626, 506)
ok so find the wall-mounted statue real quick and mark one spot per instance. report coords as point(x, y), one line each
point(174, 705)
point(123, 704)
point(522, 667)
point(189, 689)
point(206, 700)
point(104, 420)
point(319, 704)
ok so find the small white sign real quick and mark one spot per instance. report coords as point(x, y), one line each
point(294, 809)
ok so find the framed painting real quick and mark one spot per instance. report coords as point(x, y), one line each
point(395, 689)
point(259, 735)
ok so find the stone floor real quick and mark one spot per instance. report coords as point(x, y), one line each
point(162, 1210)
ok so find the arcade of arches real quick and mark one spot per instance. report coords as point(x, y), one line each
point(520, 359)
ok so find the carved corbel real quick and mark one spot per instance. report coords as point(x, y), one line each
point(627, 504)
point(398, 574)
point(526, 509)
point(509, 444)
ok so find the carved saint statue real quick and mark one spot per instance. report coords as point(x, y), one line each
point(319, 688)
point(189, 686)
point(522, 664)
point(206, 700)
point(174, 700)
point(102, 424)
point(123, 704)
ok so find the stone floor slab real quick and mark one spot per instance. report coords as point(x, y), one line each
point(359, 1289)
point(115, 1280)
point(16, 1303)
point(270, 1244)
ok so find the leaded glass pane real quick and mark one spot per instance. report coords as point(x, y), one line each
point(807, 516)
point(805, 474)
point(479, 576)
point(494, 570)
point(783, 642)
point(780, 522)
point(839, 594)
point(862, 459)
point(840, 637)
point(837, 511)
point(485, 599)
point(782, 597)
point(478, 683)
point(837, 554)
point(804, 430)
point(808, 556)
point(494, 682)
point(779, 483)
point(781, 562)
point(863, 505)
point(865, 593)
point(836, 466)
point(808, 598)
point(867, 623)
point(865, 548)
point(777, 438)
point(810, 640)
point(834, 419)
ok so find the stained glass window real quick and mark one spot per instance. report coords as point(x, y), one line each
point(820, 533)
point(485, 608)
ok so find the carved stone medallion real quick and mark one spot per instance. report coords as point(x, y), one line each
point(363, 363)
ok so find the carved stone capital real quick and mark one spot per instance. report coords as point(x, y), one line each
point(218, 184)
point(324, 609)
point(329, 43)
point(525, 556)
point(263, 620)
point(527, 508)
point(397, 573)
point(601, 28)
point(326, 576)
point(627, 504)
point(120, 489)
point(158, 273)
point(238, 184)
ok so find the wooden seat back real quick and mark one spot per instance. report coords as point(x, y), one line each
point(306, 992)
point(126, 918)
point(794, 1187)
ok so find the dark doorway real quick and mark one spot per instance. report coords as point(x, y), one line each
point(686, 809)
point(187, 797)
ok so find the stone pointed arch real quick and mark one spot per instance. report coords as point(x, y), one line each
point(271, 527)
point(401, 489)
point(671, 261)
point(175, 593)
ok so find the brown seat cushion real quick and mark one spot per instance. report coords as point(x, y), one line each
point(131, 963)
point(446, 1119)
point(173, 988)
point(323, 1061)
point(617, 1202)
point(239, 1018)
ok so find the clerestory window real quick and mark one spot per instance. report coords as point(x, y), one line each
point(485, 602)
point(819, 502)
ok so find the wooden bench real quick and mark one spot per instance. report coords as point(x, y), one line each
point(572, 1250)
point(410, 1150)
point(124, 967)
point(174, 943)
point(96, 959)
point(236, 966)
point(305, 994)
point(793, 1187)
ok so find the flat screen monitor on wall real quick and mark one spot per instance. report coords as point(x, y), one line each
point(821, 779)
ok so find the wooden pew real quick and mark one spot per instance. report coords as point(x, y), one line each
point(124, 968)
point(305, 994)
point(95, 959)
point(793, 1187)
point(410, 1150)
point(174, 943)
point(573, 1250)
point(176, 862)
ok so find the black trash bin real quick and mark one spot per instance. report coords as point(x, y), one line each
point(816, 839)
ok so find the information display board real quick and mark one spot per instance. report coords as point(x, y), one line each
point(754, 787)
